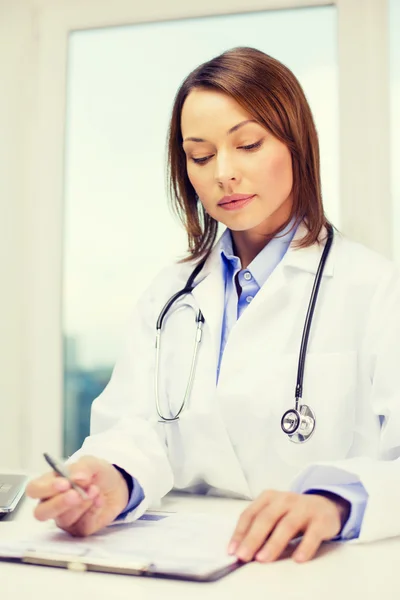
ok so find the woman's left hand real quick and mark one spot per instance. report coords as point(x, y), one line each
point(271, 521)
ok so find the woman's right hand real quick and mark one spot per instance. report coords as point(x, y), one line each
point(106, 488)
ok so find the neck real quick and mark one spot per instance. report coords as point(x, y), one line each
point(247, 244)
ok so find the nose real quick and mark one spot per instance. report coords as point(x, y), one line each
point(226, 172)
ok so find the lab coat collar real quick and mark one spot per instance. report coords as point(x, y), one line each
point(308, 259)
point(209, 293)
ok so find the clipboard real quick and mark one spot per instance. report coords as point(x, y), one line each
point(191, 563)
point(83, 565)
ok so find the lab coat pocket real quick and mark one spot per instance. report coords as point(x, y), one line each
point(329, 389)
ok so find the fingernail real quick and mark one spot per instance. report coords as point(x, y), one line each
point(243, 553)
point(232, 547)
point(61, 485)
point(263, 556)
point(299, 557)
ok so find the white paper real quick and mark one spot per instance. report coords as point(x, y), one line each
point(195, 543)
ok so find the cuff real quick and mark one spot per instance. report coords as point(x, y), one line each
point(136, 493)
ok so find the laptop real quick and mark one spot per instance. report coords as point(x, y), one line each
point(12, 488)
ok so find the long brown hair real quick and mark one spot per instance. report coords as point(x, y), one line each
point(271, 94)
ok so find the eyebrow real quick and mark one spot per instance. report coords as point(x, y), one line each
point(231, 130)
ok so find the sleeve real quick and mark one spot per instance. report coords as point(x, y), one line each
point(357, 497)
point(379, 474)
point(136, 494)
point(124, 429)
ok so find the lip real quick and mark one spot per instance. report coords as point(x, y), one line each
point(235, 201)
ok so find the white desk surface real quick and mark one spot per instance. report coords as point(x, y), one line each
point(340, 572)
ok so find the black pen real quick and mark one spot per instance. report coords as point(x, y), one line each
point(61, 470)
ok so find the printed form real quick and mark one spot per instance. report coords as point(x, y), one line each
point(169, 542)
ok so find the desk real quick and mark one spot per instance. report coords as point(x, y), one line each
point(340, 572)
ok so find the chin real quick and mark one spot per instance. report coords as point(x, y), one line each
point(243, 224)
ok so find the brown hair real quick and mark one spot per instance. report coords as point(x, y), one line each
point(271, 94)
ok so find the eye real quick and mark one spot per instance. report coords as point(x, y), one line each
point(251, 146)
point(202, 160)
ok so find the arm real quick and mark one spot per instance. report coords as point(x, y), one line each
point(360, 493)
point(124, 430)
point(380, 475)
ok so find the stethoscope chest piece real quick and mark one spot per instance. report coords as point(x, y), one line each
point(299, 424)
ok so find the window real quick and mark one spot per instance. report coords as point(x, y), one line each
point(118, 229)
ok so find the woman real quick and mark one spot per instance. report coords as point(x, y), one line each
point(243, 152)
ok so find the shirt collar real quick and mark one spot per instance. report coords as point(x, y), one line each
point(265, 262)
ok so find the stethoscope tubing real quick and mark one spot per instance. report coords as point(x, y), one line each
point(308, 321)
point(188, 288)
point(198, 336)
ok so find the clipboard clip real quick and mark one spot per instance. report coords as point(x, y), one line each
point(81, 564)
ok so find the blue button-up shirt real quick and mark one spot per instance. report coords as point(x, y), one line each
point(250, 280)
point(237, 299)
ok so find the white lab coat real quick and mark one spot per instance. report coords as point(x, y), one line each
point(228, 440)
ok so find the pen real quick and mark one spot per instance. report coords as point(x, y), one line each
point(61, 470)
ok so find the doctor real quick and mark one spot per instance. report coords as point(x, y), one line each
point(243, 152)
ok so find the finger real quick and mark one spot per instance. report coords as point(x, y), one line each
point(83, 472)
point(260, 529)
point(47, 486)
point(94, 519)
point(90, 522)
point(50, 484)
point(51, 509)
point(247, 517)
point(71, 516)
point(288, 528)
point(309, 545)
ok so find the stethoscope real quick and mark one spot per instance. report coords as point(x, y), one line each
point(297, 423)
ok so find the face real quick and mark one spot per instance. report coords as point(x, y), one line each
point(241, 173)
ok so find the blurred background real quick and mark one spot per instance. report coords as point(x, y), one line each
point(87, 93)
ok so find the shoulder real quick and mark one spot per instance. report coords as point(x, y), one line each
point(361, 265)
point(169, 280)
point(173, 278)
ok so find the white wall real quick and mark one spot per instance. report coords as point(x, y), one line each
point(16, 41)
